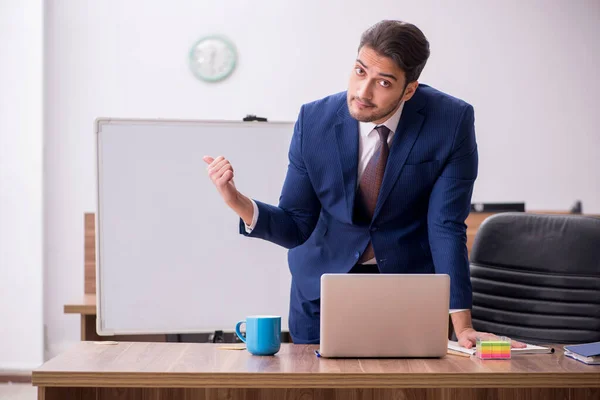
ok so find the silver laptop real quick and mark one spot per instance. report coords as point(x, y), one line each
point(384, 315)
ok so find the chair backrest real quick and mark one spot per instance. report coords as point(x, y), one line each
point(536, 277)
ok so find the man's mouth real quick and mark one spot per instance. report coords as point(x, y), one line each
point(363, 104)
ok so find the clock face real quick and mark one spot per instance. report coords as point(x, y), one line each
point(213, 58)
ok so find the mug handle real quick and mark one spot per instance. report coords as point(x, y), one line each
point(237, 331)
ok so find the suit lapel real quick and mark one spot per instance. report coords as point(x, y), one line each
point(405, 137)
point(346, 130)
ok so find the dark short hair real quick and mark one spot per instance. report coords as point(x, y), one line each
point(404, 43)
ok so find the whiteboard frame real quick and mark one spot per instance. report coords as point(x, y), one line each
point(98, 123)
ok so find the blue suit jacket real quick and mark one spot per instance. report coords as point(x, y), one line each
point(418, 224)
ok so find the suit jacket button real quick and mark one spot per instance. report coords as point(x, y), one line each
point(356, 255)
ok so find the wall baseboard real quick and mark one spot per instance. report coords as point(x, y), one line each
point(15, 377)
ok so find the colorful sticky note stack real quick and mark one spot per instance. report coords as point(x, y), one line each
point(493, 349)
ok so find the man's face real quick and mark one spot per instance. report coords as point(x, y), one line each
point(376, 87)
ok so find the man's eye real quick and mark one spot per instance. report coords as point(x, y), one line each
point(384, 83)
point(359, 71)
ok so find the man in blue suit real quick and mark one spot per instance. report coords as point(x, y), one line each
point(379, 180)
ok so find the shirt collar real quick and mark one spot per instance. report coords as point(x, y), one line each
point(391, 123)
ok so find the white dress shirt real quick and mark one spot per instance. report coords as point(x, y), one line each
point(368, 143)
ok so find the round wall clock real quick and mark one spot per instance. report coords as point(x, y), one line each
point(213, 58)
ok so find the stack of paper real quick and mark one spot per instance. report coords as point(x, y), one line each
point(588, 353)
point(530, 349)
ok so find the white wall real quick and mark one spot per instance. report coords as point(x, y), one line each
point(21, 272)
point(529, 68)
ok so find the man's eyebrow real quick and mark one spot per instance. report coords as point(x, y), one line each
point(388, 76)
point(380, 74)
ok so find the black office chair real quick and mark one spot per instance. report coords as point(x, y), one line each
point(536, 278)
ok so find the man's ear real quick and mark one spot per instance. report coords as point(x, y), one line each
point(411, 88)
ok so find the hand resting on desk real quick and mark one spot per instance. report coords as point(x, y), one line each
point(468, 338)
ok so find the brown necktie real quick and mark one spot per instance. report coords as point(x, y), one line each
point(370, 183)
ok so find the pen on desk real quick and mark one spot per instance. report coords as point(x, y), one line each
point(458, 353)
point(317, 353)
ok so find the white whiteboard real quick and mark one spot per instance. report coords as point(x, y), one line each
point(170, 257)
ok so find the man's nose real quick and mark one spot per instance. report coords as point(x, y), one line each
point(365, 90)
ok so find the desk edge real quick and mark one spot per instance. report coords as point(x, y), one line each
point(319, 380)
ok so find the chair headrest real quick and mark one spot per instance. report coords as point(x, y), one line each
point(565, 244)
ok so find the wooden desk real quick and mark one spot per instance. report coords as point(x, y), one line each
point(202, 371)
point(87, 311)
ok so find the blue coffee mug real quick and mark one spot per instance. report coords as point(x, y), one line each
point(263, 334)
